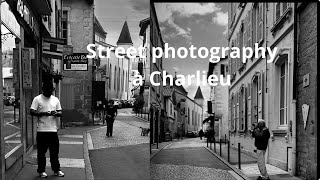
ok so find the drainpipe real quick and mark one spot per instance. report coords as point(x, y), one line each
point(293, 108)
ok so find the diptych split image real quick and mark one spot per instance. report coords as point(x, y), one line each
point(141, 89)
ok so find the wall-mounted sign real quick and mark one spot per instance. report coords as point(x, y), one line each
point(26, 69)
point(75, 62)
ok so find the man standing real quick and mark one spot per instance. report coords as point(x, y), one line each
point(112, 112)
point(200, 134)
point(47, 108)
point(261, 135)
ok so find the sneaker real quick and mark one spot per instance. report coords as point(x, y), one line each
point(43, 174)
point(59, 173)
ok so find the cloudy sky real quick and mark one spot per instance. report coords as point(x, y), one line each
point(112, 14)
point(199, 24)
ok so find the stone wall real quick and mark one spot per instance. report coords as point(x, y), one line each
point(307, 64)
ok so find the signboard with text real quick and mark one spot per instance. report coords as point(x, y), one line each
point(26, 69)
point(75, 62)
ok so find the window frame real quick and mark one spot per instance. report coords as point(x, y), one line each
point(285, 107)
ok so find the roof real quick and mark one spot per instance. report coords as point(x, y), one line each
point(167, 91)
point(125, 37)
point(98, 26)
point(198, 94)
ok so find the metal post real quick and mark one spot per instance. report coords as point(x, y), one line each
point(228, 151)
point(207, 142)
point(157, 141)
point(220, 148)
point(210, 142)
point(214, 144)
point(225, 139)
point(239, 156)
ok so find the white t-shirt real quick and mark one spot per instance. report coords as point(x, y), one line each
point(43, 104)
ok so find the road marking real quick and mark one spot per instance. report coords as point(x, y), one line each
point(71, 136)
point(90, 145)
point(70, 142)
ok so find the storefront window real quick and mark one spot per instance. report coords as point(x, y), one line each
point(11, 91)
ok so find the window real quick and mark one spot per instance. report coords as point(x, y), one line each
point(110, 76)
point(115, 77)
point(248, 103)
point(283, 92)
point(64, 22)
point(242, 108)
point(280, 10)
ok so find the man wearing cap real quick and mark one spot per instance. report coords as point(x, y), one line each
point(47, 109)
point(261, 134)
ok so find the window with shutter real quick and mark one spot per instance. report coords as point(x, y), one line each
point(277, 11)
point(254, 18)
point(249, 29)
point(262, 93)
point(237, 109)
point(248, 120)
point(244, 115)
point(261, 19)
point(244, 35)
point(240, 105)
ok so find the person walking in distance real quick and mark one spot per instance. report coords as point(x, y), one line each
point(261, 134)
point(201, 134)
point(47, 108)
point(111, 114)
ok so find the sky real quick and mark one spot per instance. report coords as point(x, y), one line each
point(112, 14)
point(197, 24)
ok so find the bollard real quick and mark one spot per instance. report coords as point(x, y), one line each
point(220, 148)
point(225, 139)
point(158, 142)
point(228, 151)
point(214, 145)
point(207, 142)
point(239, 154)
point(210, 143)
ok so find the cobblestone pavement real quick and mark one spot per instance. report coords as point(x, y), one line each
point(126, 132)
point(172, 172)
point(188, 159)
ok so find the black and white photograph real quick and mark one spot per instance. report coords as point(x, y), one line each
point(159, 90)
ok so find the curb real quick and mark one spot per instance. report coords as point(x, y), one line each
point(88, 169)
point(236, 170)
point(160, 150)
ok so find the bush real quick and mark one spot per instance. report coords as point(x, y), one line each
point(138, 103)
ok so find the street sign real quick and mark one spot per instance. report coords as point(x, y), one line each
point(75, 62)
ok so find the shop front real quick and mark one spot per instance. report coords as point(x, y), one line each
point(20, 74)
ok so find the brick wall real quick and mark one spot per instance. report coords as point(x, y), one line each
point(306, 138)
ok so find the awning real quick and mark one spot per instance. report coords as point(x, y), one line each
point(42, 7)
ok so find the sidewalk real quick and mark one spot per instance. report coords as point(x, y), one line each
point(249, 165)
point(70, 157)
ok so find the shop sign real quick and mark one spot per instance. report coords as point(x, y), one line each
point(26, 69)
point(9, 20)
point(26, 14)
point(75, 62)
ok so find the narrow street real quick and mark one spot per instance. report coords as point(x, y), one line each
point(188, 159)
point(125, 155)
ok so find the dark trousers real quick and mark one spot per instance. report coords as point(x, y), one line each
point(45, 141)
point(109, 128)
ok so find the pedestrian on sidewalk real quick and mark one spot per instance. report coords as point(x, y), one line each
point(47, 109)
point(111, 114)
point(201, 134)
point(261, 134)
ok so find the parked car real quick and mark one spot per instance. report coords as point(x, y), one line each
point(191, 134)
point(116, 103)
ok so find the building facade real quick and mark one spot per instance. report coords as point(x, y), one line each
point(76, 86)
point(307, 159)
point(156, 95)
point(272, 91)
point(219, 98)
point(24, 26)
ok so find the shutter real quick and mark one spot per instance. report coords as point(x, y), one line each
point(244, 38)
point(245, 107)
point(238, 45)
point(260, 25)
point(262, 93)
point(249, 29)
point(253, 26)
point(248, 120)
point(253, 100)
point(237, 109)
